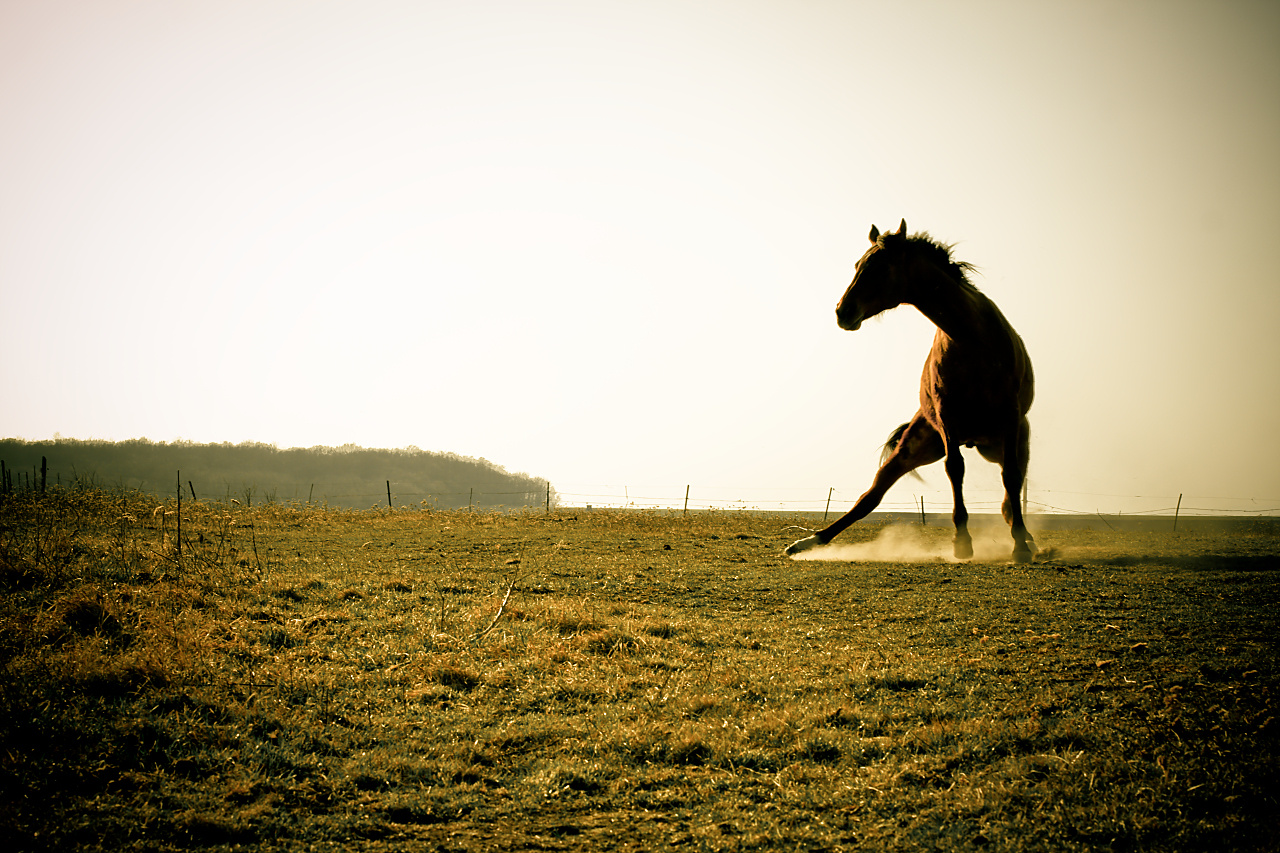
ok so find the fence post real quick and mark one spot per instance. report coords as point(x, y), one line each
point(548, 496)
point(686, 500)
point(923, 523)
point(389, 494)
point(828, 509)
point(193, 490)
point(1177, 510)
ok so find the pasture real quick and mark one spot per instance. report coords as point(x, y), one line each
point(302, 679)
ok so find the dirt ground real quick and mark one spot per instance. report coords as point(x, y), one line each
point(605, 680)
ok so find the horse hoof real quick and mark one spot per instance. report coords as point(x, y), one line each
point(1022, 555)
point(964, 550)
point(803, 545)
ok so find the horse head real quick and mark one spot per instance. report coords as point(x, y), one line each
point(877, 280)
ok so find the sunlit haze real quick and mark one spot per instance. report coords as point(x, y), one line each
point(602, 243)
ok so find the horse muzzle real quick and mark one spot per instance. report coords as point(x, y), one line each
point(849, 323)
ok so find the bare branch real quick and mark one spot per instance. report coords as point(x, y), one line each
point(501, 608)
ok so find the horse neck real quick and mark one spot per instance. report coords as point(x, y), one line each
point(958, 310)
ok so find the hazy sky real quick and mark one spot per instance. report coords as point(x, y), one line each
point(602, 242)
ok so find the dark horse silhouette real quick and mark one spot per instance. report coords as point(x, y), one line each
point(976, 389)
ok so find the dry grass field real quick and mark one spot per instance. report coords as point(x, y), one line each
point(301, 679)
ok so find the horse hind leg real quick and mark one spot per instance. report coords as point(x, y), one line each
point(919, 444)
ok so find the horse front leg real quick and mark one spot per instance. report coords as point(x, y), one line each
point(959, 515)
point(1024, 546)
point(1013, 472)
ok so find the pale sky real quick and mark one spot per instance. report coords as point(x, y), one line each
point(602, 242)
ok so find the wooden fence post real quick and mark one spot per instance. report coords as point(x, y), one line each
point(686, 500)
point(1177, 510)
point(192, 487)
point(830, 492)
point(548, 496)
point(389, 494)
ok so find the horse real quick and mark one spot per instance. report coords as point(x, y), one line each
point(975, 391)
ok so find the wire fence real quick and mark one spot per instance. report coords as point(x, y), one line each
point(836, 501)
point(358, 495)
point(917, 498)
point(695, 498)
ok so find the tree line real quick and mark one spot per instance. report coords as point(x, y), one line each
point(346, 476)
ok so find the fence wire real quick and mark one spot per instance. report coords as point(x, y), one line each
point(832, 501)
point(837, 501)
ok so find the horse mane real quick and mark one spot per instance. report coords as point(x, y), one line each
point(940, 254)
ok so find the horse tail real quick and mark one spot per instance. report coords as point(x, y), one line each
point(895, 438)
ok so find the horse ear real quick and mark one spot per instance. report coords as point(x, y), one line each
point(875, 234)
point(902, 229)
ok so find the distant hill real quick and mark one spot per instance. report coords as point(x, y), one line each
point(346, 476)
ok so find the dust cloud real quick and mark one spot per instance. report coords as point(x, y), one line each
point(913, 544)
